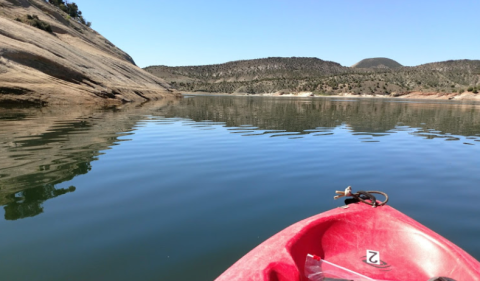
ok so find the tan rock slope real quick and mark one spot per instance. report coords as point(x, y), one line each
point(73, 64)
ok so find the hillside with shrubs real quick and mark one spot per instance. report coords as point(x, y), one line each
point(293, 75)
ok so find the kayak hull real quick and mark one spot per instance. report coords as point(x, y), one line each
point(381, 243)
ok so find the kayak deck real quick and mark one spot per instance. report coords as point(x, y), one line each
point(381, 243)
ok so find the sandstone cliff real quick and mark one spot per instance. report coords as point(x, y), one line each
point(72, 64)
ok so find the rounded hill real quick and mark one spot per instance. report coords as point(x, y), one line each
point(377, 63)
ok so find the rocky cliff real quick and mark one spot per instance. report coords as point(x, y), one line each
point(47, 57)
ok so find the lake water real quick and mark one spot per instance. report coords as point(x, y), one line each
point(179, 190)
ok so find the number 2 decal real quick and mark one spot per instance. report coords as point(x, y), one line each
point(373, 257)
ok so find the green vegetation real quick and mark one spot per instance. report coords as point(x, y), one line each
point(33, 20)
point(71, 9)
point(474, 89)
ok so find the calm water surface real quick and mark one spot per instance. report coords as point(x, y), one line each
point(179, 190)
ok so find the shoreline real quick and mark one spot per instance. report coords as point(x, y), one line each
point(466, 96)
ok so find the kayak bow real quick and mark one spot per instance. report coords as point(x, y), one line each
point(381, 243)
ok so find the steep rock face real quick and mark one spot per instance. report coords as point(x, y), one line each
point(71, 64)
point(377, 63)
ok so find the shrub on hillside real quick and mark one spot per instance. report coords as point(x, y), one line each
point(33, 20)
point(71, 9)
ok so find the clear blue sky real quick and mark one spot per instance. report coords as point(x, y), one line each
point(187, 32)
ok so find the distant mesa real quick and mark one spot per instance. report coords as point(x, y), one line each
point(277, 75)
point(377, 63)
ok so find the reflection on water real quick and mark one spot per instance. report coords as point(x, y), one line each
point(28, 203)
point(253, 116)
point(179, 190)
point(42, 147)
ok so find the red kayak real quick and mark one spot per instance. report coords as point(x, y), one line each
point(364, 243)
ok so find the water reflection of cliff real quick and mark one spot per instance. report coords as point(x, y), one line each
point(42, 147)
point(305, 115)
